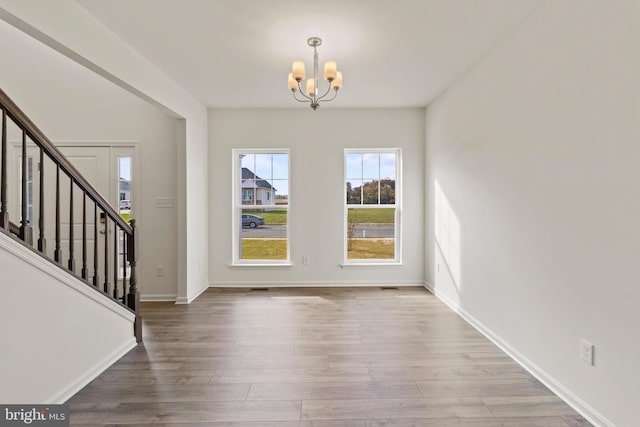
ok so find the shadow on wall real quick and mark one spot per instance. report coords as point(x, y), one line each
point(448, 238)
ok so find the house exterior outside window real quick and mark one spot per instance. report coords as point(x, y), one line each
point(260, 207)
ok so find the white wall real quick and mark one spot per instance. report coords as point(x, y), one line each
point(317, 141)
point(537, 151)
point(72, 104)
point(68, 28)
point(65, 337)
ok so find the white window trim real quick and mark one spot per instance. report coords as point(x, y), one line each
point(397, 261)
point(237, 207)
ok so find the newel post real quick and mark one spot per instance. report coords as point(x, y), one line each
point(133, 297)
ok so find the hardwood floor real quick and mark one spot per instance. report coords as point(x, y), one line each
point(333, 357)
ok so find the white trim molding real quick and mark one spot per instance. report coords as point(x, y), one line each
point(554, 385)
point(366, 266)
point(77, 385)
point(189, 299)
point(158, 298)
point(312, 284)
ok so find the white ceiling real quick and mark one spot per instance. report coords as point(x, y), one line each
point(237, 53)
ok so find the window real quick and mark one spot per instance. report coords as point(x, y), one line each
point(372, 206)
point(124, 208)
point(261, 207)
point(124, 187)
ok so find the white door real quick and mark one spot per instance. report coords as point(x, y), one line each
point(102, 167)
point(93, 163)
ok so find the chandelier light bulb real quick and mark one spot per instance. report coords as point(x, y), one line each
point(330, 69)
point(311, 93)
point(293, 84)
point(311, 90)
point(337, 82)
point(298, 70)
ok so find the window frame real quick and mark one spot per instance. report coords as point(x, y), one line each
point(116, 157)
point(397, 205)
point(237, 208)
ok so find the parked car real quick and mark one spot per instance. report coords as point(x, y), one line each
point(252, 221)
point(125, 204)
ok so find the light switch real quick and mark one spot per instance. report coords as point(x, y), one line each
point(164, 202)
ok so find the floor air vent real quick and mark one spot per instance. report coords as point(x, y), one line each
point(384, 288)
point(259, 289)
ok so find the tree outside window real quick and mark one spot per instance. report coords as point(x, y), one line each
point(371, 206)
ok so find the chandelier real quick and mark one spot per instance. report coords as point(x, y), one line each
point(331, 74)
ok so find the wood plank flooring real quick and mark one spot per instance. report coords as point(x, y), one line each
point(353, 357)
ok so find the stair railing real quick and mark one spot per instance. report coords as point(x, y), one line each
point(100, 263)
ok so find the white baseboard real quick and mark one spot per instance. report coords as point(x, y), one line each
point(310, 284)
point(565, 394)
point(158, 298)
point(189, 299)
point(77, 385)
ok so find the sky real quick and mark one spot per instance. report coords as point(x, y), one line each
point(370, 166)
point(125, 168)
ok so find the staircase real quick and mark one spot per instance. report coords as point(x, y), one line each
point(98, 217)
point(70, 305)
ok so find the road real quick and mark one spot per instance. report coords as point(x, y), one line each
point(265, 231)
point(364, 230)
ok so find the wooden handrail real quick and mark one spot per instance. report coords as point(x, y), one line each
point(37, 136)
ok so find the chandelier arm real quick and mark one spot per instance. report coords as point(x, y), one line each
point(326, 93)
point(332, 98)
point(301, 100)
point(302, 93)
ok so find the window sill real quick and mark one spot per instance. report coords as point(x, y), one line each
point(371, 264)
point(266, 265)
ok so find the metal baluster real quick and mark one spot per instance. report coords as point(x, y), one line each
point(85, 273)
point(56, 252)
point(4, 209)
point(42, 243)
point(115, 260)
point(72, 261)
point(106, 253)
point(24, 222)
point(124, 267)
point(96, 279)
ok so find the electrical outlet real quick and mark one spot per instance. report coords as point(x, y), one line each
point(305, 260)
point(159, 271)
point(586, 352)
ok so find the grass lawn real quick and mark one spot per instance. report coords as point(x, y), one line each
point(264, 249)
point(371, 216)
point(126, 217)
point(275, 217)
point(372, 249)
